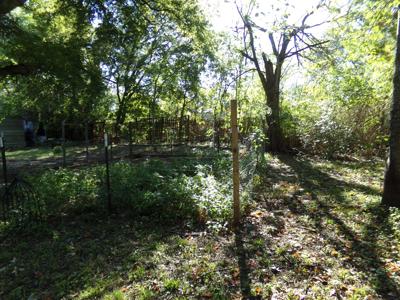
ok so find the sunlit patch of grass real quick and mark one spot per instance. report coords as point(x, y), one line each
point(30, 153)
point(172, 284)
point(42, 153)
point(115, 295)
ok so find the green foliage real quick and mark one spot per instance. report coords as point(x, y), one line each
point(53, 43)
point(116, 295)
point(77, 58)
point(151, 188)
point(343, 106)
point(65, 190)
point(211, 195)
point(171, 191)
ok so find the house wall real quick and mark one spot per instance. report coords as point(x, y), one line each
point(13, 130)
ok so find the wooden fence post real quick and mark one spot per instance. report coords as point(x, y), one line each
point(235, 164)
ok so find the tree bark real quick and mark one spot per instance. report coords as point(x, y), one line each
point(274, 130)
point(120, 116)
point(391, 190)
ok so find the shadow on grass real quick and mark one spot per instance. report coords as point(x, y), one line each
point(241, 253)
point(327, 194)
point(83, 257)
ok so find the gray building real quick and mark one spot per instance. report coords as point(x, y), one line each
point(13, 130)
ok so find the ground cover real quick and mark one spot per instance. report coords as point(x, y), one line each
point(314, 230)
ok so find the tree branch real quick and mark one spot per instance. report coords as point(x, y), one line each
point(305, 48)
point(252, 47)
point(20, 69)
point(271, 39)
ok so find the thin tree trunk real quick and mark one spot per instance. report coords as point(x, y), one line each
point(391, 191)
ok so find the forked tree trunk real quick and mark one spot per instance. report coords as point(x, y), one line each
point(391, 190)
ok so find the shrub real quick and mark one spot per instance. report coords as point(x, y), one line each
point(212, 197)
point(180, 189)
point(62, 190)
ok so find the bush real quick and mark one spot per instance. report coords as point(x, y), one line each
point(212, 197)
point(182, 189)
point(64, 189)
point(150, 188)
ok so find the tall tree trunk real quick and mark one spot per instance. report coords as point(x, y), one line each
point(120, 115)
point(119, 120)
point(271, 88)
point(274, 130)
point(391, 191)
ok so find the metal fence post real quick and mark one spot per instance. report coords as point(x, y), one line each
point(3, 159)
point(110, 142)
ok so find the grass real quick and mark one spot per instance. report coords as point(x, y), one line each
point(328, 237)
point(30, 154)
point(316, 231)
point(46, 152)
point(42, 153)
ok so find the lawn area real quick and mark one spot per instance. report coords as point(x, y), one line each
point(40, 153)
point(314, 230)
point(30, 154)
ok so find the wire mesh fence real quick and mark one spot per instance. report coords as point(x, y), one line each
point(84, 145)
point(249, 157)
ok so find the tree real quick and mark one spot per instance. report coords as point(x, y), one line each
point(286, 41)
point(8, 5)
point(391, 190)
point(141, 43)
point(348, 86)
point(70, 59)
point(55, 73)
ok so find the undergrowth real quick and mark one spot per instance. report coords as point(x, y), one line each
point(190, 189)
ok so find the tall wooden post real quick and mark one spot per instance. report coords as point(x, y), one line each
point(235, 164)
